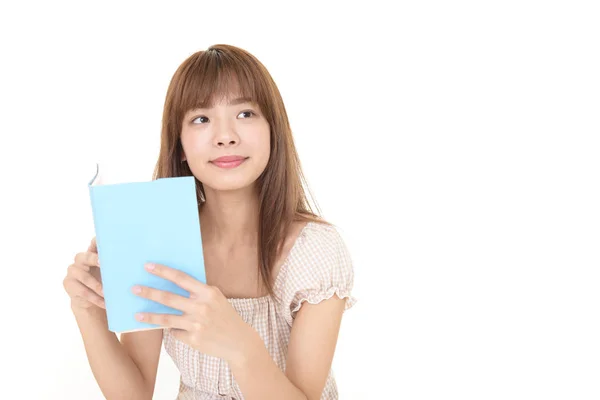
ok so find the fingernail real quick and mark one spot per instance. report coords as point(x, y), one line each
point(139, 317)
point(149, 266)
point(137, 289)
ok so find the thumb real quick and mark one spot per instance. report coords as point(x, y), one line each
point(92, 247)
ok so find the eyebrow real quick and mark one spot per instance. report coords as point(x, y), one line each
point(240, 100)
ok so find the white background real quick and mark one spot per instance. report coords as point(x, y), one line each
point(455, 145)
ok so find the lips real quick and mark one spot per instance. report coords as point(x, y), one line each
point(228, 161)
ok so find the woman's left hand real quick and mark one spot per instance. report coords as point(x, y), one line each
point(209, 323)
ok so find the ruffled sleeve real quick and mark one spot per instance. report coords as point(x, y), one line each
point(319, 266)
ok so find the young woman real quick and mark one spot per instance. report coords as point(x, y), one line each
point(279, 277)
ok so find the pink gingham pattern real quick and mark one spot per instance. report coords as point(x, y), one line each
point(317, 267)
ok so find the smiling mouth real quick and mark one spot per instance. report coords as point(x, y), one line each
point(228, 164)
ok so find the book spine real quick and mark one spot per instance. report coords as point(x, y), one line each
point(100, 246)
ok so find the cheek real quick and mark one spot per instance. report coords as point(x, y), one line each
point(266, 143)
point(194, 145)
point(261, 148)
point(263, 142)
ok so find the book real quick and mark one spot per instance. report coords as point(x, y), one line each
point(139, 222)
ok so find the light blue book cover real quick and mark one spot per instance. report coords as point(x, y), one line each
point(139, 222)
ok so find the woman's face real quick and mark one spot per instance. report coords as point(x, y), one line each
point(233, 127)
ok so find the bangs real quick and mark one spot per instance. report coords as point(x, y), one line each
point(213, 77)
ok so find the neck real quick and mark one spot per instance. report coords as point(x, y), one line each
point(230, 218)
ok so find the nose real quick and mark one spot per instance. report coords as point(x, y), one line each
point(225, 135)
point(226, 143)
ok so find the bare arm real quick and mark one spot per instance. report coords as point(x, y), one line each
point(124, 369)
point(310, 354)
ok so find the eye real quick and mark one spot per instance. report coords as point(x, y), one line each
point(252, 113)
point(247, 112)
point(198, 118)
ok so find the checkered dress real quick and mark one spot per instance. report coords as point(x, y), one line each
point(317, 267)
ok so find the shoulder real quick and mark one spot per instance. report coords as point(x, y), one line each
point(320, 246)
point(324, 233)
point(319, 266)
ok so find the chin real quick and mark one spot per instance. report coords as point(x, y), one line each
point(228, 183)
point(224, 187)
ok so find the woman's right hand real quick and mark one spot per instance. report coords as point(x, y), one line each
point(83, 281)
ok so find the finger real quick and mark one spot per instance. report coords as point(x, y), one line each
point(97, 301)
point(87, 258)
point(178, 277)
point(93, 246)
point(166, 320)
point(82, 291)
point(87, 279)
point(92, 258)
point(164, 297)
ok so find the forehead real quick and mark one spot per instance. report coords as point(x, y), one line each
point(228, 99)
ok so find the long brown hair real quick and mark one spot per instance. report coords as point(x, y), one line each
point(196, 83)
